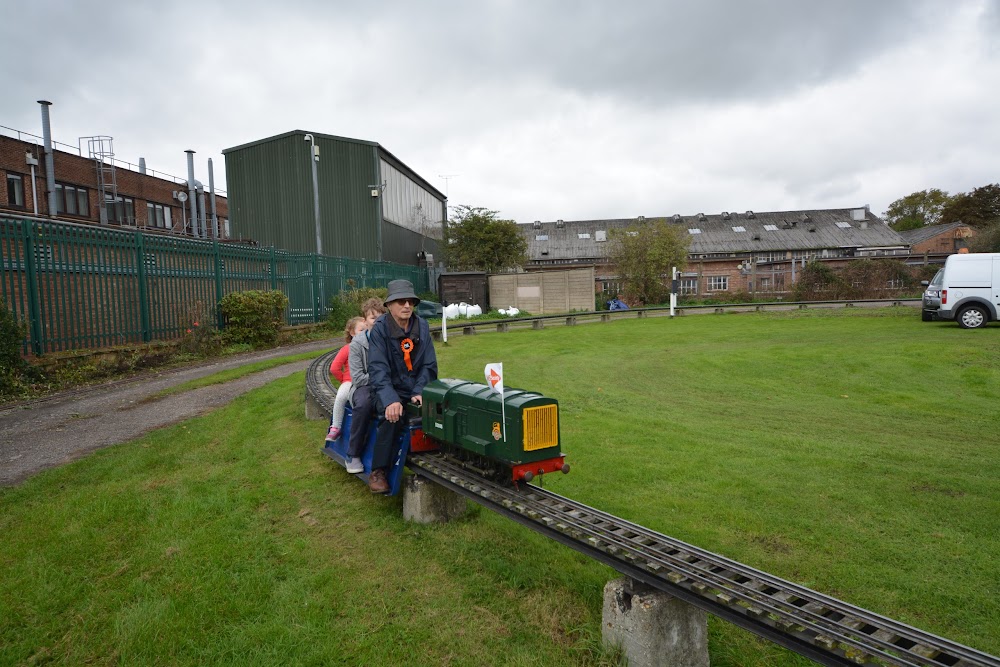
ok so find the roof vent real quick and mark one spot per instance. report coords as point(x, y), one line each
point(864, 224)
point(756, 237)
point(641, 218)
point(701, 217)
point(751, 215)
point(812, 228)
point(858, 214)
point(677, 217)
point(806, 218)
point(725, 215)
point(560, 224)
point(537, 224)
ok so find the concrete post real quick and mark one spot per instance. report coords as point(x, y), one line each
point(653, 628)
point(503, 327)
point(571, 321)
point(605, 318)
point(313, 409)
point(427, 502)
point(537, 324)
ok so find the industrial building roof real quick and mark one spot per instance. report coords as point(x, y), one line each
point(722, 233)
point(921, 234)
point(381, 149)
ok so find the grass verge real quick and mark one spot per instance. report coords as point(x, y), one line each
point(855, 452)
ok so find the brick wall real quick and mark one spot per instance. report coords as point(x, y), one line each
point(946, 242)
point(78, 171)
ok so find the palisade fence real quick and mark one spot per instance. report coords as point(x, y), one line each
point(79, 286)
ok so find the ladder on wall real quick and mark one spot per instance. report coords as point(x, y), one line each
point(102, 151)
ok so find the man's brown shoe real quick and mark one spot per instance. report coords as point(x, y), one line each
point(376, 481)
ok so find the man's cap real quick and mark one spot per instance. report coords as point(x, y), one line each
point(400, 289)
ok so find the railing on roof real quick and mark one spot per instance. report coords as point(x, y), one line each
point(78, 149)
point(83, 286)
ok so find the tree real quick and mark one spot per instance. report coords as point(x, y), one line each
point(643, 254)
point(917, 209)
point(977, 208)
point(475, 240)
point(987, 238)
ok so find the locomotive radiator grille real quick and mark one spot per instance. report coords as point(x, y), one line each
point(541, 427)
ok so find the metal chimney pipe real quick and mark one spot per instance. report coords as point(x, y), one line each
point(191, 193)
point(50, 166)
point(142, 165)
point(201, 211)
point(211, 188)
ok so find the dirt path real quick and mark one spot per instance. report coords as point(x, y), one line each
point(64, 427)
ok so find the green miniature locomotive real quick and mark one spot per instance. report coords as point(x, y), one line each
point(516, 435)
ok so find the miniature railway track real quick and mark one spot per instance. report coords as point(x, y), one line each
point(817, 626)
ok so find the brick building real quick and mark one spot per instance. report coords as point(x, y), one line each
point(937, 240)
point(146, 201)
point(729, 252)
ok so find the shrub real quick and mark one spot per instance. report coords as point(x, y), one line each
point(347, 304)
point(15, 373)
point(254, 317)
point(201, 338)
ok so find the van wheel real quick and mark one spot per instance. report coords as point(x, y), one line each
point(973, 317)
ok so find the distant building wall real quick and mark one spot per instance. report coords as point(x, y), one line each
point(544, 292)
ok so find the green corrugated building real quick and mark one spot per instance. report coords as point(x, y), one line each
point(371, 205)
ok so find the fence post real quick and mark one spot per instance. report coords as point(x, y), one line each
point(217, 252)
point(315, 276)
point(34, 309)
point(140, 249)
point(274, 270)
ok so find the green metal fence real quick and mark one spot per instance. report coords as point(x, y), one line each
point(80, 286)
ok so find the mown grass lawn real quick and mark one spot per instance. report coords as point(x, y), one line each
point(856, 452)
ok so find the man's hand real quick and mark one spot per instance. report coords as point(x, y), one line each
point(418, 399)
point(393, 412)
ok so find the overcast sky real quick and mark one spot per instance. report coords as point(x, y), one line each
point(541, 109)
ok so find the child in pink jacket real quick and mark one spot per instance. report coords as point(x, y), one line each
point(340, 370)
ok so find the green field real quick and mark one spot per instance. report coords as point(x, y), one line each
point(853, 451)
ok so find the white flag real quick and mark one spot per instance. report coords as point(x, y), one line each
point(494, 377)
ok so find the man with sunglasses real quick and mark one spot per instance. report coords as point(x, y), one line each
point(401, 361)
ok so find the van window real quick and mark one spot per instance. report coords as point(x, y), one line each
point(938, 278)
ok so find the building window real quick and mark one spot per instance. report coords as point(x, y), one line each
point(541, 237)
point(15, 190)
point(159, 215)
point(844, 225)
point(72, 200)
point(121, 210)
point(694, 230)
point(611, 286)
point(601, 235)
point(771, 256)
point(739, 228)
point(718, 283)
point(765, 284)
point(689, 286)
point(895, 283)
point(583, 235)
point(771, 228)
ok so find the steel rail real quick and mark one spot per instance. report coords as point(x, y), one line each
point(822, 628)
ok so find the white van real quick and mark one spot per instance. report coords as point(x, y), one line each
point(966, 290)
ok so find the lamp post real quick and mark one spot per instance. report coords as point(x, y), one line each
point(318, 279)
point(314, 154)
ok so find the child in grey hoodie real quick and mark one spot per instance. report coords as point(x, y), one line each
point(361, 395)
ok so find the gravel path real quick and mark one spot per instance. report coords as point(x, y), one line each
point(64, 427)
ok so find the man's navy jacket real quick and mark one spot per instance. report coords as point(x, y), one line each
point(390, 378)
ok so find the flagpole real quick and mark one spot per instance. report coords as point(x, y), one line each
point(503, 416)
